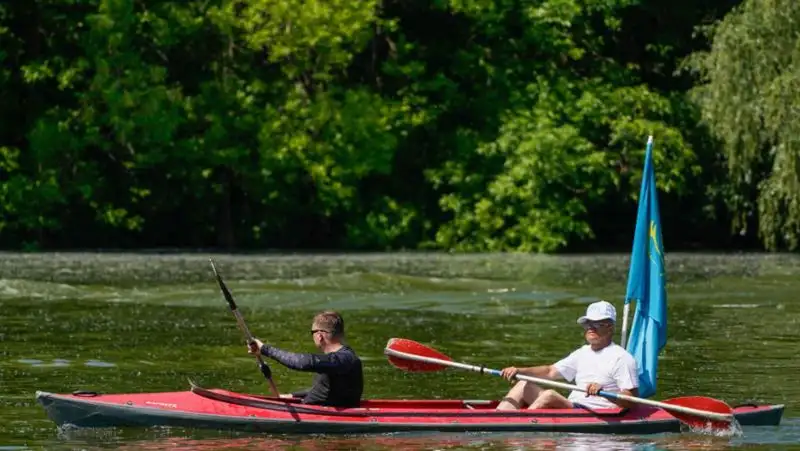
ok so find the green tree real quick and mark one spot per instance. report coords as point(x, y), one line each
point(748, 94)
point(368, 124)
point(565, 139)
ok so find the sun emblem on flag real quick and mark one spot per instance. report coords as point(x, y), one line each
point(655, 246)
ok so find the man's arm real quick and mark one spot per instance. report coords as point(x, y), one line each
point(543, 372)
point(593, 388)
point(318, 363)
point(626, 374)
point(626, 404)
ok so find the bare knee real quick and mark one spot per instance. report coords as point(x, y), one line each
point(549, 399)
point(518, 391)
point(518, 396)
point(520, 385)
point(549, 395)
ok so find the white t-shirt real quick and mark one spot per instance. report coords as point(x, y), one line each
point(612, 367)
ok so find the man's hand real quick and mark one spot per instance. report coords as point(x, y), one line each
point(509, 373)
point(254, 347)
point(593, 388)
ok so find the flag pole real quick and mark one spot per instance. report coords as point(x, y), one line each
point(625, 312)
point(626, 309)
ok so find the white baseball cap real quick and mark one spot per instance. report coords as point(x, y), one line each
point(598, 311)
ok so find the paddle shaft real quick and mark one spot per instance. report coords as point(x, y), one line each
point(242, 325)
point(555, 384)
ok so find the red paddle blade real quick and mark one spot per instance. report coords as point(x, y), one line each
point(406, 346)
point(701, 403)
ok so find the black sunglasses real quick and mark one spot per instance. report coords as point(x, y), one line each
point(597, 325)
point(313, 331)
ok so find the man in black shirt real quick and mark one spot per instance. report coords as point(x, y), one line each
point(339, 380)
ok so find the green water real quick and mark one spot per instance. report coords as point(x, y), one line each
point(127, 323)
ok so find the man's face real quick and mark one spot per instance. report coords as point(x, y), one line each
point(598, 331)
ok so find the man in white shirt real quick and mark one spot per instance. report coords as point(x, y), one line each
point(599, 365)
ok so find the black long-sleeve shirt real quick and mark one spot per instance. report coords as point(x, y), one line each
point(339, 380)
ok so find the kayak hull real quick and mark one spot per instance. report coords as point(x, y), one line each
point(224, 410)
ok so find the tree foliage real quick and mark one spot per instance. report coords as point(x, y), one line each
point(749, 95)
point(474, 125)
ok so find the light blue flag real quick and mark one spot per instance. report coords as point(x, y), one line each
point(647, 283)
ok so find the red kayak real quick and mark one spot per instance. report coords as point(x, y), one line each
point(222, 409)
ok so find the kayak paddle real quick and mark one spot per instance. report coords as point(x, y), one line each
point(247, 335)
point(695, 411)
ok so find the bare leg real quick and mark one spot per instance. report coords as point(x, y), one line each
point(522, 393)
point(551, 399)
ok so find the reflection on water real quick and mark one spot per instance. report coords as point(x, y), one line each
point(416, 441)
